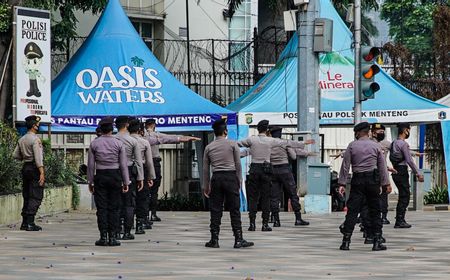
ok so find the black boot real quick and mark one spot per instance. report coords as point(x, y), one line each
point(384, 219)
point(214, 242)
point(401, 223)
point(155, 218)
point(276, 219)
point(368, 238)
point(252, 226)
point(113, 239)
point(147, 223)
point(31, 226)
point(346, 240)
point(377, 244)
point(128, 235)
point(103, 241)
point(24, 224)
point(240, 242)
point(299, 221)
point(139, 227)
point(265, 225)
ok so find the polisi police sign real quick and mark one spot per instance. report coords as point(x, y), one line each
point(32, 64)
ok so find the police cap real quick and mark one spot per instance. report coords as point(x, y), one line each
point(377, 126)
point(263, 125)
point(32, 51)
point(33, 119)
point(122, 119)
point(219, 124)
point(361, 126)
point(275, 131)
point(150, 121)
point(402, 126)
point(106, 121)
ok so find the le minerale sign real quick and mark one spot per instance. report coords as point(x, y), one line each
point(33, 62)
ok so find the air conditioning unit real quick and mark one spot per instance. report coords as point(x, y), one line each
point(300, 2)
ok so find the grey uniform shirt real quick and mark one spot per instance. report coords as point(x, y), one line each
point(107, 152)
point(133, 152)
point(261, 146)
point(402, 146)
point(146, 153)
point(156, 138)
point(280, 154)
point(363, 155)
point(29, 149)
point(223, 155)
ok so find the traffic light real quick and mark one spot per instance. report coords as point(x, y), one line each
point(369, 69)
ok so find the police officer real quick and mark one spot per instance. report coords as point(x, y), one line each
point(260, 173)
point(224, 158)
point(155, 139)
point(142, 197)
point(400, 156)
point(136, 171)
point(29, 150)
point(366, 159)
point(283, 179)
point(107, 177)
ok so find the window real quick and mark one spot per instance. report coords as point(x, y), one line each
point(241, 29)
point(145, 29)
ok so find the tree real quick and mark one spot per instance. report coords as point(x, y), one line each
point(64, 25)
point(411, 25)
point(368, 28)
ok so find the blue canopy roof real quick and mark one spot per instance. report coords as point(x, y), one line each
point(274, 97)
point(114, 73)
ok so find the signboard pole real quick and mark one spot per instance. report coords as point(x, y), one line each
point(358, 105)
point(14, 88)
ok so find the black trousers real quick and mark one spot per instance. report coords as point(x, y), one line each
point(364, 213)
point(258, 190)
point(143, 198)
point(365, 189)
point(156, 184)
point(129, 200)
point(401, 180)
point(283, 180)
point(225, 187)
point(31, 191)
point(107, 195)
point(384, 203)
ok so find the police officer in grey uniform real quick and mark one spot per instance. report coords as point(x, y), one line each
point(366, 159)
point(29, 150)
point(260, 173)
point(283, 179)
point(136, 172)
point(223, 156)
point(400, 156)
point(155, 139)
point(142, 197)
point(108, 178)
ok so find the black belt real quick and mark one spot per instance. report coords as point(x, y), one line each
point(364, 174)
point(257, 164)
point(282, 165)
point(224, 172)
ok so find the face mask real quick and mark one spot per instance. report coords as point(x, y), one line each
point(407, 134)
point(356, 135)
point(380, 137)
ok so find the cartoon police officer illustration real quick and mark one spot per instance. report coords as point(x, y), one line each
point(31, 64)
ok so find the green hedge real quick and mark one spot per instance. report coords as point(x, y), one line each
point(57, 173)
point(437, 195)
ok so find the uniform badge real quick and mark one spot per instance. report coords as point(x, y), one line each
point(249, 118)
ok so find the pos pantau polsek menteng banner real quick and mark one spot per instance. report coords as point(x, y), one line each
point(33, 62)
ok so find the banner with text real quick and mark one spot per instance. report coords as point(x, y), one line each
point(33, 62)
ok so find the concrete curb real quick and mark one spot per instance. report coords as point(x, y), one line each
point(437, 207)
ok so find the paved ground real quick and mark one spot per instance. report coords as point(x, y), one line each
point(174, 249)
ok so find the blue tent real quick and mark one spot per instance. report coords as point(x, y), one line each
point(114, 73)
point(274, 97)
